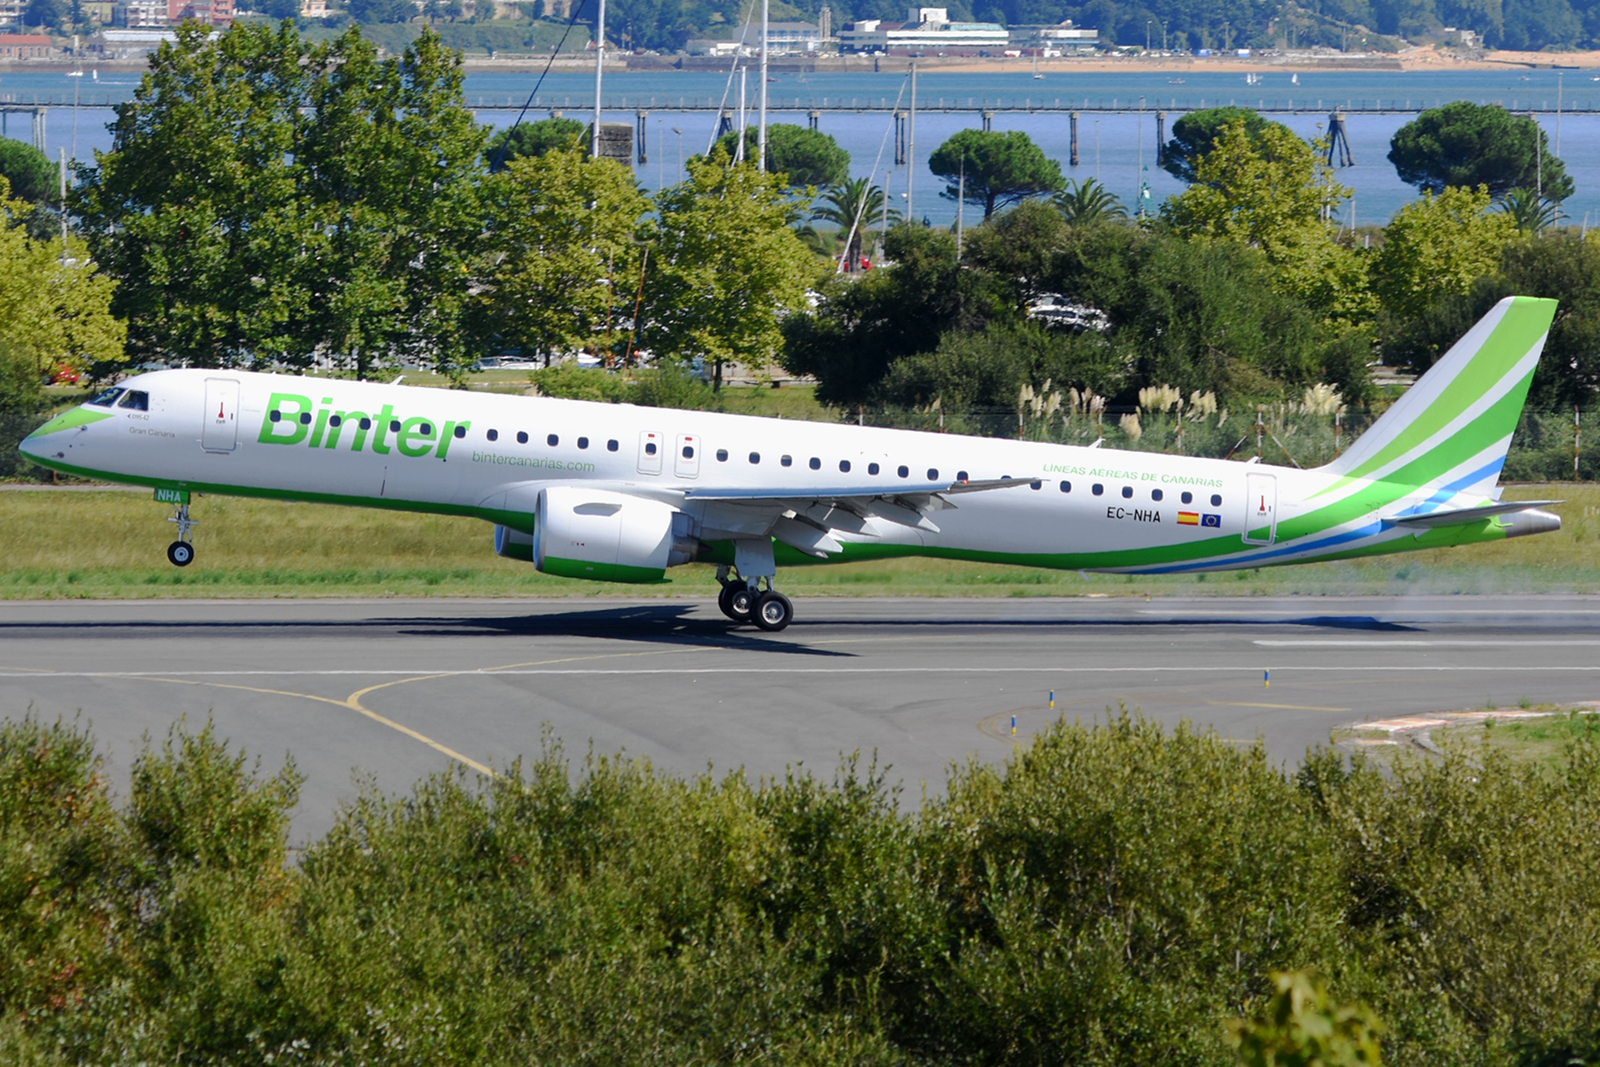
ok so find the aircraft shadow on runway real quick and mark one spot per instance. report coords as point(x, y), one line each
point(684, 623)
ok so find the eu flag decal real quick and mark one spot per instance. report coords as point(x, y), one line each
point(1211, 520)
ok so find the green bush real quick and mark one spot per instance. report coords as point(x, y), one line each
point(1113, 894)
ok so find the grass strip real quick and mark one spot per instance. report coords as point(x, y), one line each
point(110, 544)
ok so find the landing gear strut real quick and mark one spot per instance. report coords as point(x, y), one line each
point(181, 552)
point(743, 600)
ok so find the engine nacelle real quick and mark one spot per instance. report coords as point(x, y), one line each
point(606, 536)
point(513, 544)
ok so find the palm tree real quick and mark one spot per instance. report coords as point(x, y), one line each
point(857, 205)
point(1531, 212)
point(1088, 201)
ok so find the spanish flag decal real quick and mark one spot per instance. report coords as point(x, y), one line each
point(1188, 518)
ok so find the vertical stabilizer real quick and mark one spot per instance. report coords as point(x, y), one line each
point(1452, 428)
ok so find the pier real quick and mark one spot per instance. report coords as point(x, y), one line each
point(981, 107)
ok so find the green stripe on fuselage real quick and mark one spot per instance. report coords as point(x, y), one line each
point(71, 420)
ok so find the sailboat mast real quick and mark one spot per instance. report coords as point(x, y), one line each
point(911, 141)
point(599, 67)
point(761, 131)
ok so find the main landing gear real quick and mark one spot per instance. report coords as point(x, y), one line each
point(743, 600)
point(181, 552)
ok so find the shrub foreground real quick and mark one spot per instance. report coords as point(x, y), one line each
point(1112, 895)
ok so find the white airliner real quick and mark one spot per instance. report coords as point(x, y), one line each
point(622, 493)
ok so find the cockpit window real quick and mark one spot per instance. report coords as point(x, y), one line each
point(136, 400)
point(106, 397)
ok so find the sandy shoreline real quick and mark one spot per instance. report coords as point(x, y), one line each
point(1415, 59)
point(1425, 59)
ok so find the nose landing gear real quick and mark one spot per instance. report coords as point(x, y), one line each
point(181, 552)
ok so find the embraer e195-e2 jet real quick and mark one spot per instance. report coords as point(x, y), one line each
point(621, 493)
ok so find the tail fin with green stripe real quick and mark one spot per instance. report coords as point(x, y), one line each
point(1452, 428)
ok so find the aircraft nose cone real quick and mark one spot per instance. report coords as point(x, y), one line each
point(32, 445)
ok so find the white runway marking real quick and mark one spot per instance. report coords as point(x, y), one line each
point(1403, 642)
point(1309, 611)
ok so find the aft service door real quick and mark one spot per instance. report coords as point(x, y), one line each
point(650, 448)
point(1261, 509)
point(686, 457)
point(220, 431)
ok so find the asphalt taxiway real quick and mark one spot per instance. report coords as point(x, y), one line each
point(398, 689)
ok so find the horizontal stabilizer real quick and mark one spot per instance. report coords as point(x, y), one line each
point(1463, 516)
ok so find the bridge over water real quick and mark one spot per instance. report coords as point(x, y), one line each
point(999, 104)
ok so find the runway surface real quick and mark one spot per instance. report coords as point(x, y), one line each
point(397, 689)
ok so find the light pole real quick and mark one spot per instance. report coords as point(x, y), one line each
point(1147, 35)
point(680, 151)
point(1163, 35)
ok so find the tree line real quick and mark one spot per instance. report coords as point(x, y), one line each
point(1242, 288)
point(274, 202)
point(1109, 895)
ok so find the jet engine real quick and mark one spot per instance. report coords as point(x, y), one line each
point(601, 535)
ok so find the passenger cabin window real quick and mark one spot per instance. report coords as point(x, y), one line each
point(722, 455)
point(1156, 494)
point(844, 465)
point(650, 448)
point(138, 400)
point(688, 451)
point(933, 474)
point(460, 431)
point(872, 468)
point(904, 472)
point(755, 457)
point(522, 437)
point(961, 476)
point(816, 464)
point(394, 425)
point(583, 442)
point(305, 418)
point(1036, 484)
point(106, 397)
point(335, 420)
point(1188, 497)
point(1216, 500)
point(611, 445)
point(493, 435)
point(1066, 487)
point(274, 415)
point(365, 423)
point(1127, 492)
point(552, 440)
point(1097, 489)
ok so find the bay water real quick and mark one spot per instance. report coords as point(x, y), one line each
point(1117, 141)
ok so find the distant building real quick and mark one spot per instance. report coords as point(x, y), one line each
point(313, 9)
point(157, 14)
point(25, 46)
point(1064, 39)
point(783, 37)
point(130, 43)
point(926, 31)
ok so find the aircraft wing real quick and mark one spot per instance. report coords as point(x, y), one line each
point(808, 518)
point(1462, 516)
